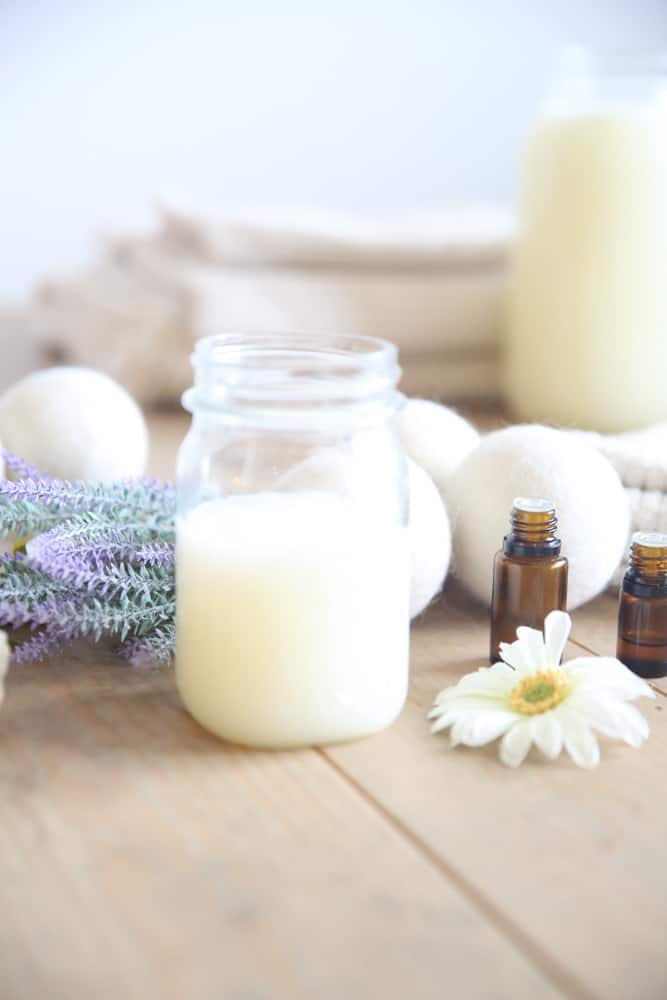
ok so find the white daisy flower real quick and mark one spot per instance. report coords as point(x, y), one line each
point(530, 697)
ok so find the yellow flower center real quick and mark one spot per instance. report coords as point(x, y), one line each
point(539, 692)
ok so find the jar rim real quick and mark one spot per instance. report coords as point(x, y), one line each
point(227, 348)
point(240, 370)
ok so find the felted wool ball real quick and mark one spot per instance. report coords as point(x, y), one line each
point(436, 438)
point(531, 460)
point(428, 527)
point(74, 423)
point(331, 470)
point(430, 539)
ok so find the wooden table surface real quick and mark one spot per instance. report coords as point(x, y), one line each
point(141, 858)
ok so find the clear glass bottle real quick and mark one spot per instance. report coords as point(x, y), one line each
point(642, 612)
point(585, 339)
point(529, 573)
point(292, 562)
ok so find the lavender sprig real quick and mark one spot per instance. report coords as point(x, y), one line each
point(153, 649)
point(99, 563)
point(24, 590)
point(88, 543)
point(20, 466)
point(42, 644)
point(29, 506)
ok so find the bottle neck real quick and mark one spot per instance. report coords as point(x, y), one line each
point(533, 529)
point(647, 572)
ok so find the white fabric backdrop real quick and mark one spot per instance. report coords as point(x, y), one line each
point(370, 106)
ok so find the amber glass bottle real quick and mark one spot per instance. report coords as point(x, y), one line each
point(642, 612)
point(529, 573)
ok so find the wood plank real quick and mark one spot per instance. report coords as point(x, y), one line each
point(445, 647)
point(142, 858)
point(571, 862)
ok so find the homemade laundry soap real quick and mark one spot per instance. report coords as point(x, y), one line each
point(74, 423)
point(534, 461)
point(288, 634)
point(436, 438)
point(293, 547)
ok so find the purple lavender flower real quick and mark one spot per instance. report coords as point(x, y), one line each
point(20, 466)
point(42, 644)
point(150, 650)
point(100, 562)
point(160, 554)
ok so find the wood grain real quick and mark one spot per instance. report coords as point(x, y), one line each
point(563, 855)
point(142, 858)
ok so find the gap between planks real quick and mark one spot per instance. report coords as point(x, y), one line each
point(546, 962)
point(551, 969)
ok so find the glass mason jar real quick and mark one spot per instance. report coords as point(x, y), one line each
point(587, 326)
point(292, 561)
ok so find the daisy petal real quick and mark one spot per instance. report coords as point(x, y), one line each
point(612, 717)
point(557, 627)
point(580, 742)
point(461, 706)
point(534, 643)
point(516, 743)
point(458, 730)
point(443, 722)
point(636, 728)
point(446, 715)
point(486, 727)
point(516, 655)
point(548, 734)
point(474, 729)
point(489, 682)
point(608, 674)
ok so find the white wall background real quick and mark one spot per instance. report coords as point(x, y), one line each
point(371, 106)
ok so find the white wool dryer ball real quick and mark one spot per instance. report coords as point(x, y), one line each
point(531, 460)
point(436, 438)
point(428, 530)
point(430, 539)
point(74, 423)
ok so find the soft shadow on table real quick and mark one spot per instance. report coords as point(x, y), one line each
point(91, 702)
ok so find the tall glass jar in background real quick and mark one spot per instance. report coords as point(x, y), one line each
point(292, 560)
point(587, 331)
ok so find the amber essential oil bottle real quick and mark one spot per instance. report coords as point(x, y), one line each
point(642, 611)
point(529, 573)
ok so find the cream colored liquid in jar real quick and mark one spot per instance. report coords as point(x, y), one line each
point(587, 331)
point(292, 619)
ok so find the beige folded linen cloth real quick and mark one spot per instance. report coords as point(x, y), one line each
point(434, 288)
point(307, 238)
point(107, 319)
point(640, 458)
point(432, 285)
point(21, 351)
point(425, 313)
